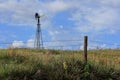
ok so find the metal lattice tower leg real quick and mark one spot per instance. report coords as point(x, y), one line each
point(38, 44)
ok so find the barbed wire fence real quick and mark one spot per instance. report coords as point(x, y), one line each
point(56, 44)
point(63, 44)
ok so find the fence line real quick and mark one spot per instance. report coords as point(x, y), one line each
point(93, 44)
point(100, 42)
point(44, 41)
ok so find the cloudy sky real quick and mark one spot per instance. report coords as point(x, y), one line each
point(62, 20)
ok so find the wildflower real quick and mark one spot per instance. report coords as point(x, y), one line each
point(65, 65)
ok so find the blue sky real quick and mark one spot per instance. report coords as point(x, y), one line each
point(63, 20)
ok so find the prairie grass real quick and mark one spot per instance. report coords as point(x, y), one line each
point(31, 64)
point(108, 58)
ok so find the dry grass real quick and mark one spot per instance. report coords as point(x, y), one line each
point(109, 58)
point(22, 63)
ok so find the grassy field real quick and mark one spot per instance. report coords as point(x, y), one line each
point(30, 64)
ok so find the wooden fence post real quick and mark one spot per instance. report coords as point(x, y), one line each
point(85, 48)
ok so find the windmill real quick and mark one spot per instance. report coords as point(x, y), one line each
point(38, 44)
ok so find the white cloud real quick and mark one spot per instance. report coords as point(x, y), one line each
point(21, 44)
point(81, 47)
point(112, 3)
point(22, 12)
point(57, 6)
point(17, 44)
point(103, 18)
point(99, 17)
point(30, 43)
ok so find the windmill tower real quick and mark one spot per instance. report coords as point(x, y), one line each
point(38, 44)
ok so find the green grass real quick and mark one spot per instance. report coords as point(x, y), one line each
point(30, 64)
